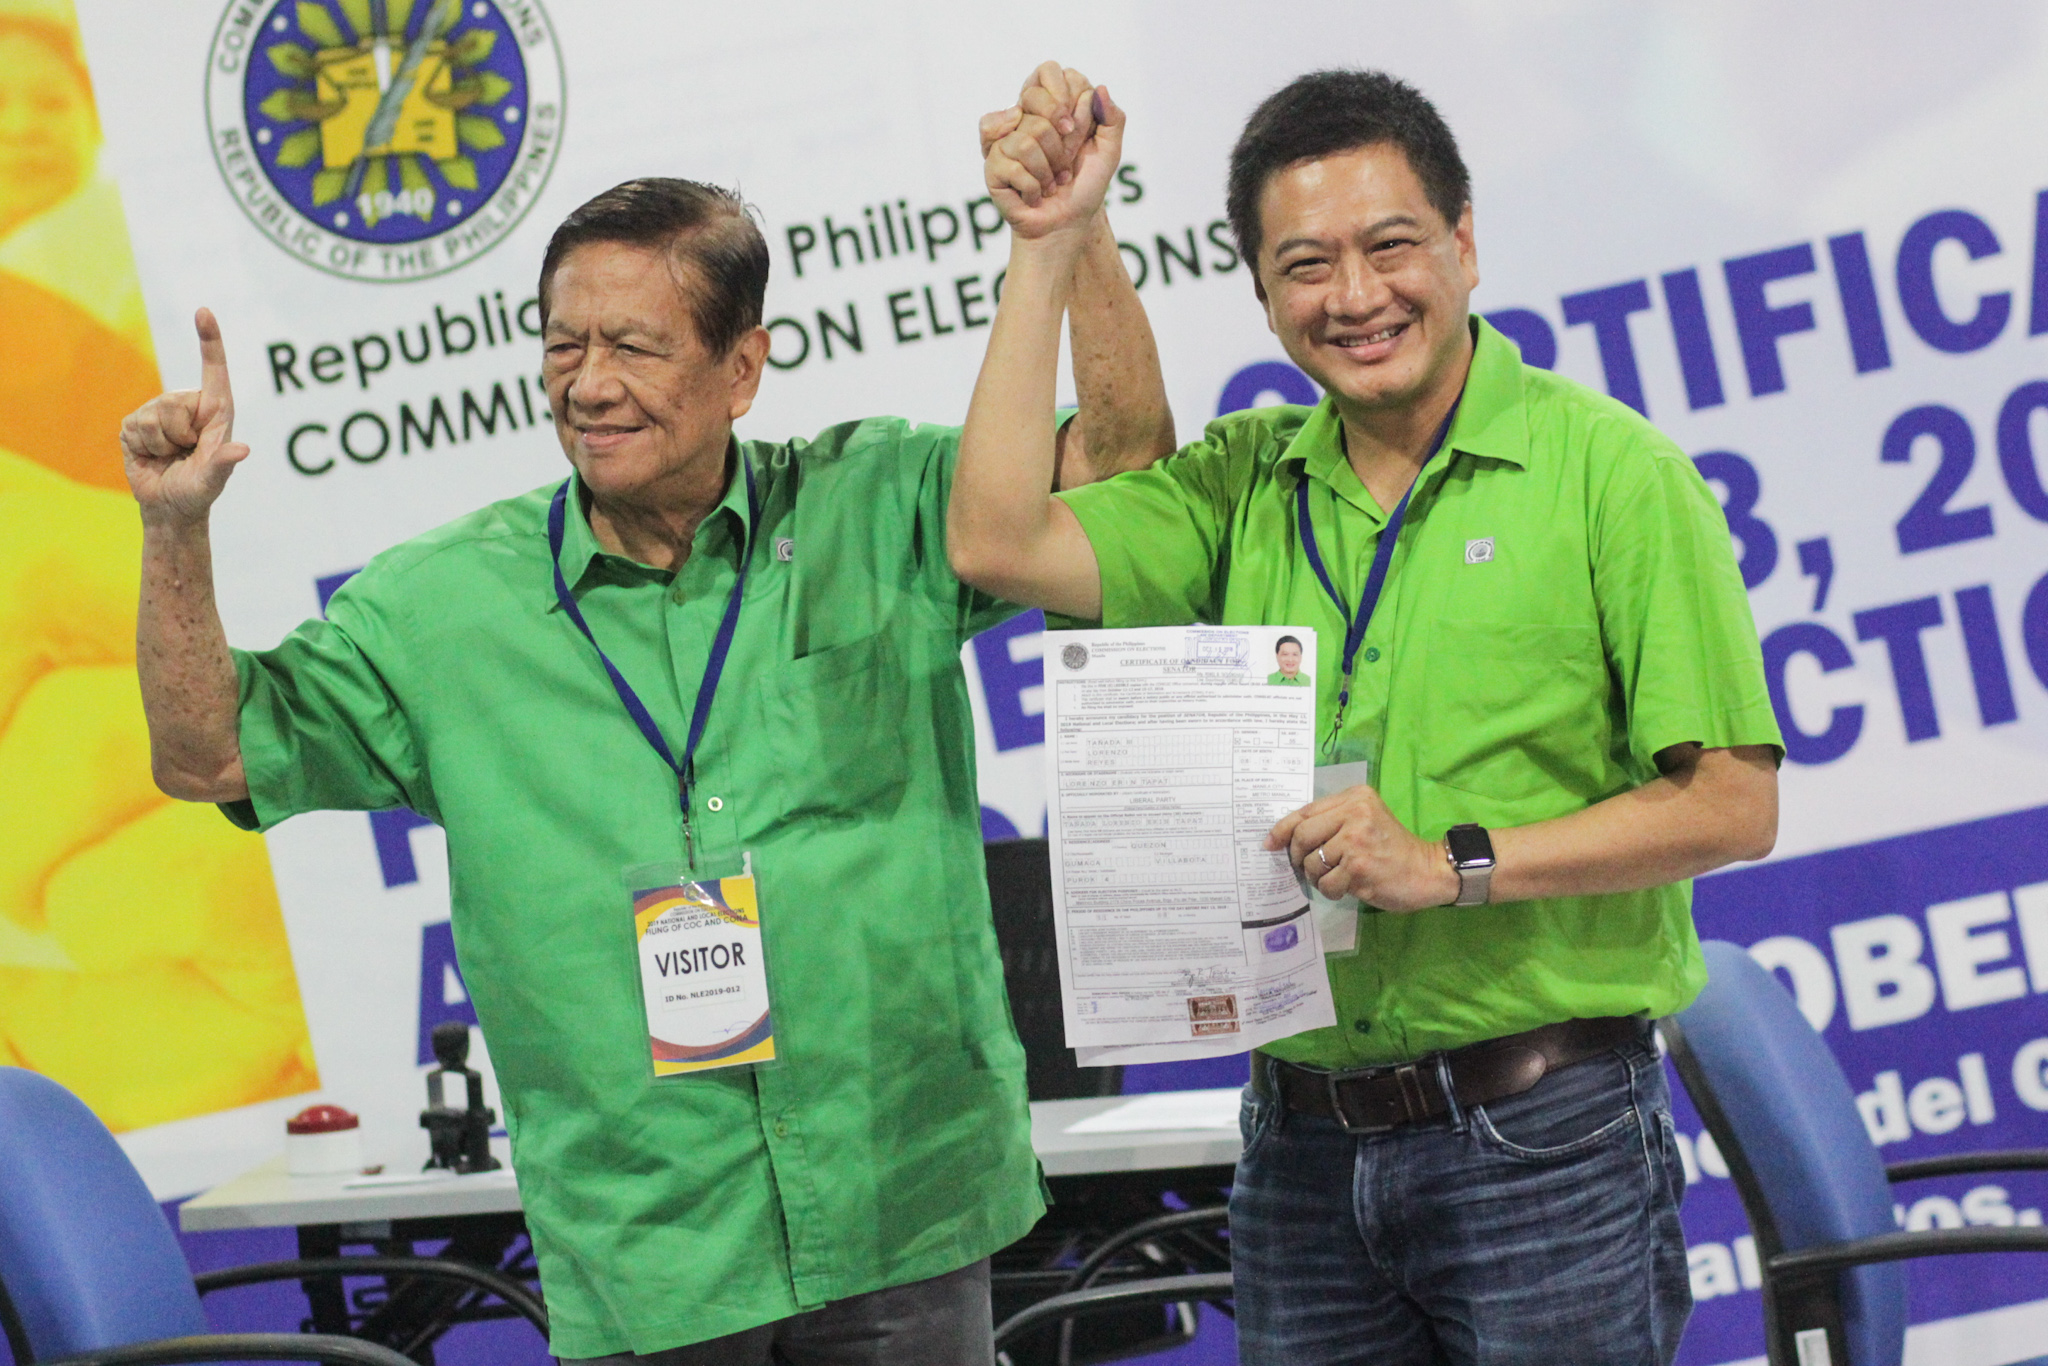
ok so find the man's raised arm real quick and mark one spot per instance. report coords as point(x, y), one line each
point(1005, 534)
point(1124, 422)
point(179, 449)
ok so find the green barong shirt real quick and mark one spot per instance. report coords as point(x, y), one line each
point(891, 1142)
point(1563, 603)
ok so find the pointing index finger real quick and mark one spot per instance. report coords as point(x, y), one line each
point(213, 362)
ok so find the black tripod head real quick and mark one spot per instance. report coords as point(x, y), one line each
point(461, 1138)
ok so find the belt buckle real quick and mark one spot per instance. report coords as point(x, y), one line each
point(1413, 1105)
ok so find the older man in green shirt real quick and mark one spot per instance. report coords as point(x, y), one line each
point(784, 617)
point(1540, 672)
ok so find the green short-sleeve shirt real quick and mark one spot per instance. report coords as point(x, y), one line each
point(892, 1142)
point(1282, 680)
point(1563, 604)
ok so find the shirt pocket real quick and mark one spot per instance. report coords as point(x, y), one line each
point(831, 715)
point(1515, 710)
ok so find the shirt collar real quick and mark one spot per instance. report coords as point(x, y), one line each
point(581, 552)
point(1489, 423)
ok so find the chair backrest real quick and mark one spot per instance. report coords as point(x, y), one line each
point(86, 1257)
point(1020, 890)
point(1784, 1116)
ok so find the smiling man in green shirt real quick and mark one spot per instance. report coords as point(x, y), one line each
point(1287, 654)
point(843, 1200)
point(1539, 667)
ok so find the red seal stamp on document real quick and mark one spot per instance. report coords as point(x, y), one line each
point(1212, 1015)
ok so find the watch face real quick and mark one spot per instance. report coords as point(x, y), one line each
point(1469, 844)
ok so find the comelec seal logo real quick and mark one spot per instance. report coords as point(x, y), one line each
point(1075, 656)
point(385, 139)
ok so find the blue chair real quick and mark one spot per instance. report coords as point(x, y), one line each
point(1817, 1195)
point(91, 1274)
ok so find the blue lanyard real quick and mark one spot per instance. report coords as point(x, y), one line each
point(1376, 578)
point(714, 667)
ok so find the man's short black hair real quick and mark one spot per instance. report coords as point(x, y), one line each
point(1285, 640)
point(709, 229)
point(1326, 112)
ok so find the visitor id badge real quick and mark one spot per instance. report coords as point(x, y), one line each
point(1336, 921)
point(703, 979)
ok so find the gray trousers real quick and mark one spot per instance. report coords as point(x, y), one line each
point(940, 1322)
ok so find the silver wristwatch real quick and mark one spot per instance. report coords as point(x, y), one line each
point(1470, 850)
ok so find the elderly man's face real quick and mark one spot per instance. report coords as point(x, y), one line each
point(643, 408)
point(47, 130)
point(1365, 284)
point(1289, 656)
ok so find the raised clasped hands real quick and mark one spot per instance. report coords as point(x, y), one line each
point(1048, 159)
point(1349, 844)
point(179, 447)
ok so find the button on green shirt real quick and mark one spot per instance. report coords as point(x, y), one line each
point(1563, 603)
point(892, 1141)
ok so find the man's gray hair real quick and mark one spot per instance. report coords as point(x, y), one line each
point(709, 229)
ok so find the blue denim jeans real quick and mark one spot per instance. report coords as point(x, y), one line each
point(1539, 1229)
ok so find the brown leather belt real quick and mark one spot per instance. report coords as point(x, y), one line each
point(1374, 1100)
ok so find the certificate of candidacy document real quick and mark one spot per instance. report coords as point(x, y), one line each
point(1170, 752)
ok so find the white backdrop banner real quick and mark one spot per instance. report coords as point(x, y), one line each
point(1811, 244)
